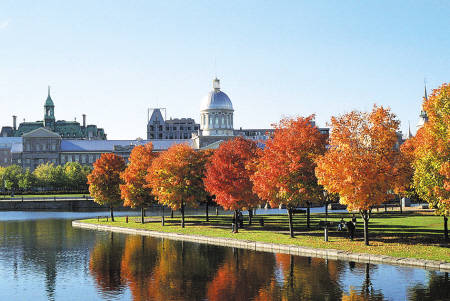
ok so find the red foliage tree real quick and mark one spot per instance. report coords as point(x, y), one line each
point(176, 177)
point(285, 171)
point(135, 191)
point(228, 175)
point(104, 180)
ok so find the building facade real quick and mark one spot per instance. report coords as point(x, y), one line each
point(177, 128)
point(66, 129)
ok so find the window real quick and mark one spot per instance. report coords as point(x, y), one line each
point(53, 147)
point(160, 136)
point(160, 127)
point(181, 128)
point(77, 158)
point(91, 159)
point(167, 128)
point(151, 128)
point(83, 159)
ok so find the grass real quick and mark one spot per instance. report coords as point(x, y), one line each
point(413, 235)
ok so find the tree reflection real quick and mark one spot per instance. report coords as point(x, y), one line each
point(367, 292)
point(138, 260)
point(105, 264)
point(243, 275)
point(436, 289)
point(305, 278)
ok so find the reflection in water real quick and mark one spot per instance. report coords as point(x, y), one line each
point(46, 259)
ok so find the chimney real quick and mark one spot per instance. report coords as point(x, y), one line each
point(15, 122)
point(84, 120)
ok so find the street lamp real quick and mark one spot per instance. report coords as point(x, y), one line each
point(325, 195)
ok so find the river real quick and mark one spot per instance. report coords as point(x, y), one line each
point(43, 258)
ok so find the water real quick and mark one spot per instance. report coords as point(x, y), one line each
point(43, 258)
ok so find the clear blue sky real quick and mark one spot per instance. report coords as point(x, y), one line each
point(114, 59)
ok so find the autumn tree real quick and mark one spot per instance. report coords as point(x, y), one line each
point(285, 171)
point(135, 191)
point(104, 180)
point(228, 175)
point(175, 178)
point(360, 164)
point(432, 154)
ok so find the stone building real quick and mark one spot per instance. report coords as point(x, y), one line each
point(43, 146)
point(177, 128)
point(66, 129)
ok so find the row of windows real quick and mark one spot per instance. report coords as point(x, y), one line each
point(181, 128)
point(83, 158)
point(170, 136)
point(40, 147)
point(218, 121)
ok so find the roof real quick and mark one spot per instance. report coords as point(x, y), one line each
point(41, 132)
point(216, 99)
point(108, 145)
point(49, 101)
point(13, 143)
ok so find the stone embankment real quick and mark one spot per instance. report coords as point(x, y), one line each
point(278, 248)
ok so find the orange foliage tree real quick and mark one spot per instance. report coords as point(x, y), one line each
point(432, 154)
point(285, 171)
point(104, 180)
point(361, 163)
point(176, 177)
point(228, 176)
point(135, 191)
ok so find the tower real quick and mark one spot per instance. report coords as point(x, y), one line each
point(49, 112)
point(423, 117)
point(216, 113)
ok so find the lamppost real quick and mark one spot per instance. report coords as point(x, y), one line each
point(325, 195)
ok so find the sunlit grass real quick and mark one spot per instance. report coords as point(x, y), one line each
point(400, 235)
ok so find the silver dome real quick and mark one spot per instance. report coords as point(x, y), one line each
point(216, 99)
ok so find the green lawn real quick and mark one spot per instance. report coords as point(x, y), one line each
point(400, 235)
point(38, 196)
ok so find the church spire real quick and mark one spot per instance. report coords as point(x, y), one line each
point(48, 91)
point(425, 94)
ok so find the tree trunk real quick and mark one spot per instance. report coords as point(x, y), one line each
point(171, 213)
point(236, 221)
point(326, 210)
point(250, 216)
point(365, 214)
point(291, 226)
point(142, 214)
point(182, 215)
point(401, 208)
point(217, 210)
point(207, 213)
point(112, 213)
point(162, 217)
point(308, 214)
point(445, 228)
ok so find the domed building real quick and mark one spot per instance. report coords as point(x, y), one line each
point(216, 113)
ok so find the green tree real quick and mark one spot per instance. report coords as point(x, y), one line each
point(11, 177)
point(27, 180)
point(75, 176)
